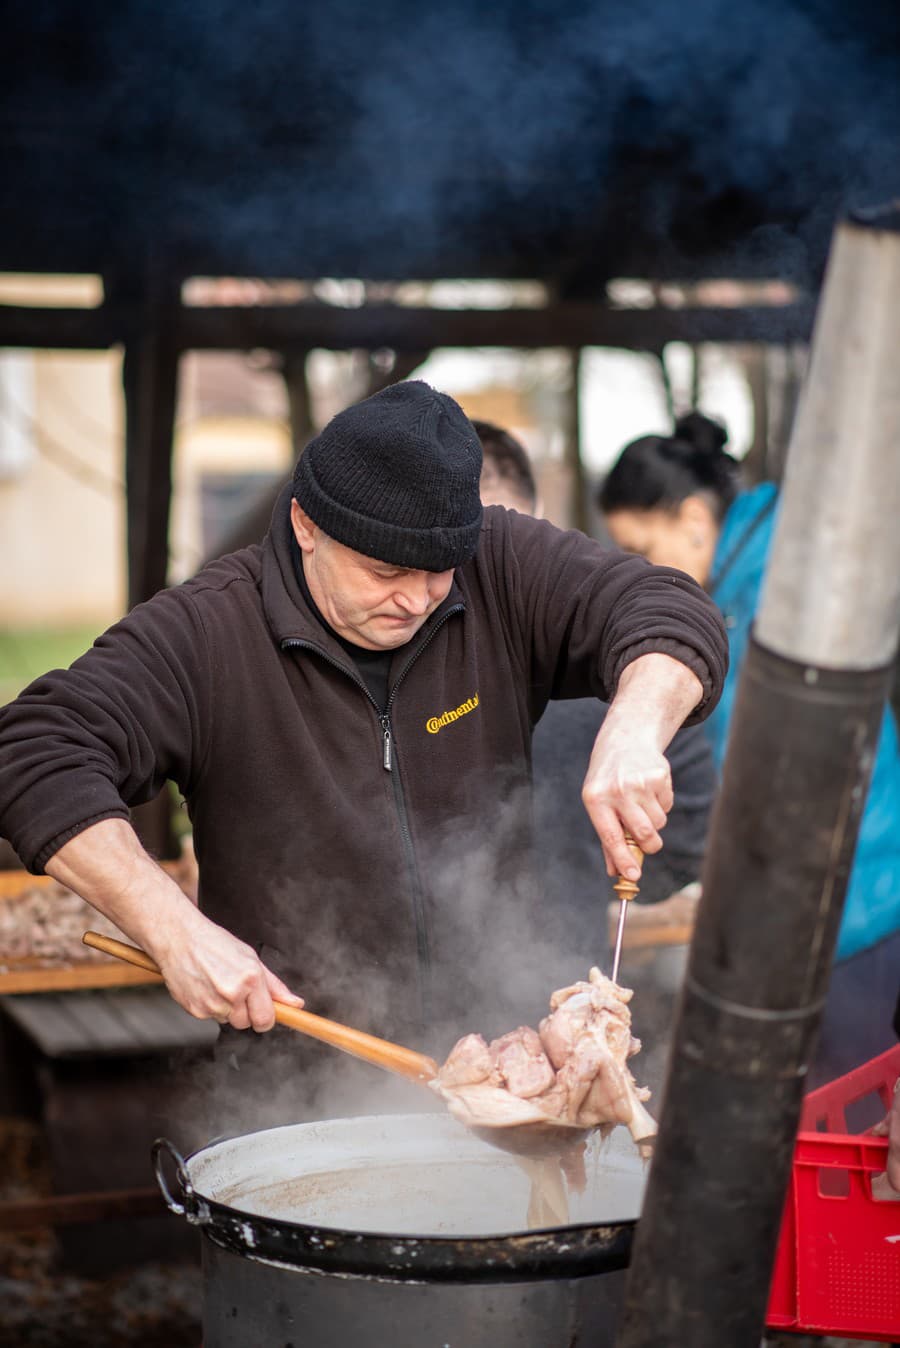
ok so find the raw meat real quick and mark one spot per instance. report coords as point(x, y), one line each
point(573, 1070)
point(41, 926)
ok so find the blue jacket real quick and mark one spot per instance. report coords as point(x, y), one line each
point(872, 909)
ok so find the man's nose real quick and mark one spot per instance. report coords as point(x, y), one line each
point(415, 596)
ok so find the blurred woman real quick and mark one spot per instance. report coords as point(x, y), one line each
point(678, 501)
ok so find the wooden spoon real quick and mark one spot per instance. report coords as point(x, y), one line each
point(405, 1062)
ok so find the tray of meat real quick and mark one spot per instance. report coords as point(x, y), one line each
point(837, 1269)
point(41, 925)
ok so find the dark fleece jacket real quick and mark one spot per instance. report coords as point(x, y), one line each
point(392, 896)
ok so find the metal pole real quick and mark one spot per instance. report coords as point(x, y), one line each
point(803, 738)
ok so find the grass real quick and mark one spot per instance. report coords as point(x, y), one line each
point(26, 653)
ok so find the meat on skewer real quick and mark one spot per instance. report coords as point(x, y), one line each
point(573, 1070)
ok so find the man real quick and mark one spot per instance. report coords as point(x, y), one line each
point(347, 709)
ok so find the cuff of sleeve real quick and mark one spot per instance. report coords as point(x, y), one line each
point(678, 651)
point(50, 848)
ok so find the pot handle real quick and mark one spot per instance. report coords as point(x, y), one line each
point(162, 1146)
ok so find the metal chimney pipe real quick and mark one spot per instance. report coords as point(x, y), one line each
point(803, 738)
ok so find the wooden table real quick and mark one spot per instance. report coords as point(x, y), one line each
point(93, 1059)
point(31, 975)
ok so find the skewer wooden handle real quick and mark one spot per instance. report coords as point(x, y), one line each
point(405, 1062)
point(629, 889)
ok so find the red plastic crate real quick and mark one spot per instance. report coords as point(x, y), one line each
point(837, 1269)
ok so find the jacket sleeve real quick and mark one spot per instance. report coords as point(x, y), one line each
point(584, 611)
point(83, 744)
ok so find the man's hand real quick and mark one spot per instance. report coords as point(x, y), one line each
point(890, 1128)
point(208, 971)
point(215, 976)
point(628, 786)
point(629, 783)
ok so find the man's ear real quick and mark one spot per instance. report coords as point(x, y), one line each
point(303, 527)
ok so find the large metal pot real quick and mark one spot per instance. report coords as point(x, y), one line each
point(400, 1230)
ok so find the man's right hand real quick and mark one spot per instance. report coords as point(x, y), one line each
point(208, 971)
point(215, 976)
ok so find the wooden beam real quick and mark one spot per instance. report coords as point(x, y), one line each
point(400, 329)
point(295, 328)
point(60, 329)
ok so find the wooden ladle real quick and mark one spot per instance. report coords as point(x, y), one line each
point(405, 1062)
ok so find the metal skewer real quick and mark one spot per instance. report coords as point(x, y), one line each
point(626, 889)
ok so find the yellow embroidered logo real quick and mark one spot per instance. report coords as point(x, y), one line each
point(436, 723)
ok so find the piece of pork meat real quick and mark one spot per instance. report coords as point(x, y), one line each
point(588, 1039)
point(522, 1063)
point(574, 1070)
point(469, 1063)
point(493, 1081)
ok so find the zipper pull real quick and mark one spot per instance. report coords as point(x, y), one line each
point(386, 729)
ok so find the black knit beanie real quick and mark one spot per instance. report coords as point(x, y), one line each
point(396, 478)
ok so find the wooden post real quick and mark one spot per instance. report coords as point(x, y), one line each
point(580, 508)
point(296, 383)
point(755, 362)
point(150, 378)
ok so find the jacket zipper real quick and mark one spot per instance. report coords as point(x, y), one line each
point(423, 950)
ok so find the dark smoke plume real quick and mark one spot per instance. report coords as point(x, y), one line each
point(522, 137)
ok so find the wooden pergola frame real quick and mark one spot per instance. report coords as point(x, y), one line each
point(156, 328)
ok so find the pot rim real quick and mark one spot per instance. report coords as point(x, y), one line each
point(578, 1250)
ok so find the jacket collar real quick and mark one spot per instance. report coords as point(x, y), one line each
point(287, 613)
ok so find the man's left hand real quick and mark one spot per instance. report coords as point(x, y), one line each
point(629, 782)
point(628, 786)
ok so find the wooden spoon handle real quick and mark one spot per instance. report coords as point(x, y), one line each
point(404, 1062)
point(129, 953)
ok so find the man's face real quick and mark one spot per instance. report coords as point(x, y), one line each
point(365, 601)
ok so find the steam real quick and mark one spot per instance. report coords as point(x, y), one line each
point(498, 951)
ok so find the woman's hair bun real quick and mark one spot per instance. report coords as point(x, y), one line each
point(658, 472)
point(702, 433)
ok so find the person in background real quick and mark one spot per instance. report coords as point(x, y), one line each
point(573, 872)
point(678, 500)
point(506, 475)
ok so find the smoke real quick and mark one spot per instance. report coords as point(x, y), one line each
point(498, 950)
point(405, 139)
